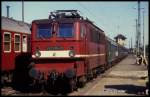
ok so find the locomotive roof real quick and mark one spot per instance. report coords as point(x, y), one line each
point(66, 16)
point(40, 21)
point(14, 25)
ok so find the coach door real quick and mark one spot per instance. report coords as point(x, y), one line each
point(24, 43)
point(7, 54)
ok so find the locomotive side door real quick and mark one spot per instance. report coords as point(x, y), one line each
point(82, 68)
point(86, 41)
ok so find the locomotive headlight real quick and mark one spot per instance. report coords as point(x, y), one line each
point(37, 53)
point(71, 53)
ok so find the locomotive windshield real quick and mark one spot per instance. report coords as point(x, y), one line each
point(65, 30)
point(44, 31)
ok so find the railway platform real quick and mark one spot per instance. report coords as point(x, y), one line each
point(125, 78)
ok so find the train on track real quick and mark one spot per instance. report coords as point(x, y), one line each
point(66, 50)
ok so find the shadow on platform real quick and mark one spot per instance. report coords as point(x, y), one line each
point(128, 88)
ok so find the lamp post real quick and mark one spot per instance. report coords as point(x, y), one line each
point(143, 37)
point(22, 11)
point(7, 10)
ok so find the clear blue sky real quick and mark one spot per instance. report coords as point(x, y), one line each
point(113, 17)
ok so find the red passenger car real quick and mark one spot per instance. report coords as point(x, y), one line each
point(14, 42)
point(66, 46)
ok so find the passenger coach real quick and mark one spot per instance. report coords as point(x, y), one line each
point(115, 52)
point(15, 41)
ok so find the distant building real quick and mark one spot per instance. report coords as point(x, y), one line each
point(120, 39)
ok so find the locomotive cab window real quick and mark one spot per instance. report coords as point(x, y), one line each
point(66, 30)
point(44, 31)
point(24, 43)
point(17, 43)
point(7, 42)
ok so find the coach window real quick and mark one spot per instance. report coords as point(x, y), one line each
point(7, 42)
point(24, 43)
point(17, 43)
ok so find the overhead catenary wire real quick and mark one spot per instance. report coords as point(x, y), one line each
point(87, 10)
point(95, 17)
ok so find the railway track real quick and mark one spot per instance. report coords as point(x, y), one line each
point(9, 91)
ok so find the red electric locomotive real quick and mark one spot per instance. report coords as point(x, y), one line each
point(14, 43)
point(66, 46)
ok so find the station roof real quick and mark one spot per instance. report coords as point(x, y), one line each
point(14, 25)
